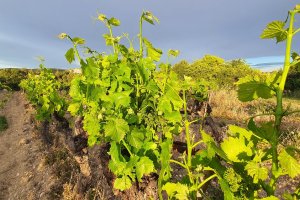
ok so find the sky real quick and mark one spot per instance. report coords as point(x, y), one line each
point(226, 28)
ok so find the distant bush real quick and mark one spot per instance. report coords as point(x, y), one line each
point(215, 70)
point(293, 79)
point(3, 123)
point(64, 77)
point(12, 77)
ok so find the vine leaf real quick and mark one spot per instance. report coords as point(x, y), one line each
point(114, 21)
point(152, 52)
point(144, 166)
point(78, 40)
point(149, 17)
point(90, 70)
point(289, 164)
point(174, 53)
point(122, 183)
point(70, 55)
point(173, 116)
point(177, 190)
point(265, 131)
point(251, 88)
point(257, 171)
point(275, 30)
point(228, 194)
point(92, 126)
point(115, 164)
point(234, 147)
point(165, 157)
point(135, 138)
point(116, 129)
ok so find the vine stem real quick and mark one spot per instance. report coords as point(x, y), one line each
point(279, 113)
point(127, 148)
point(141, 35)
point(111, 35)
point(187, 132)
point(178, 163)
point(206, 180)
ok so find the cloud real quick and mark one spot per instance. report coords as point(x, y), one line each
point(229, 29)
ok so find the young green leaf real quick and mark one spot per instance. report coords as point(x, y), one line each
point(70, 55)
point(177, 190)
point(116, 129)
point(257, 171)
point(90, 70)
point(234, 147)
point(152, 52)
point(289, 164)
point(252, 90)
point(173, 117)
point(165, 157)
point(144, 166)
point(62, 36)
point(174, 53)
point(228, 194)
point(234, 130)
point(122, 183)
point(101, 17)
point(135, 138)
point(149, 17)
point(265, 131)
point(91, 124)
point(78, 40)
point(74, 108)
point(275, 30)
point(114, 21)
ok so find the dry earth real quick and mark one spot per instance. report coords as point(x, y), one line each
point(23, 174)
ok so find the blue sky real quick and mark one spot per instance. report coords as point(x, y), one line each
point(229, 29)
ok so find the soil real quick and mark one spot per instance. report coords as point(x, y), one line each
point(23, 174)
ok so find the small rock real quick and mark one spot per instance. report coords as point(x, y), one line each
point(23, 141)
point(85, 150)
point(84, 165)
point(41, 165)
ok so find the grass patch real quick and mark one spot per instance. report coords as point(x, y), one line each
point(3, 123)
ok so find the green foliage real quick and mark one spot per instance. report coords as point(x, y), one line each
point(215, 71)
point(275, 30)
point(3, 123)
point(128, 100)
point(293, 78)
point(233, 179)
point(177, 191)
point(11, 78)
point(251, 88)
point(289, 164)
point(42, 91)
point(243, 149)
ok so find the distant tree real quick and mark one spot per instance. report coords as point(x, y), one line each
point(293, 79)
point(180, 68)
point(215, 70)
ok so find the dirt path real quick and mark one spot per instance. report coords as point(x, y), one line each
point(22, 172)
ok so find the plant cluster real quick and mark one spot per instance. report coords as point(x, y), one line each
point(214, 70)
point(43, 92)
point(125, 100)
